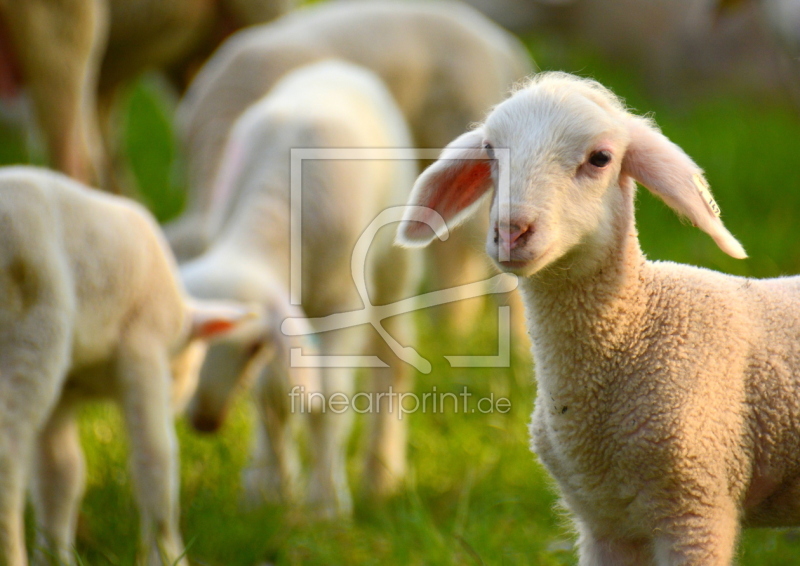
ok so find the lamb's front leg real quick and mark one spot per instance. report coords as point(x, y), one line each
point(146, 400)
point(703, 535)
point(274, 468)
point(15, 444)
point(33, 360)
point(385, 468)
point(598, 551)
point(57, 487)
point(328, 490)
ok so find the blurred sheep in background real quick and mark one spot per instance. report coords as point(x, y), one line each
point(73, 57)
point(329, 104)
point(91, 307)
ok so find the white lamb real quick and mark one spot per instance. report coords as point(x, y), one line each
point(324, 105)
point(668, 406)
point(90, 306)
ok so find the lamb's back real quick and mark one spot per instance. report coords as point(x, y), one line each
point(103, 254)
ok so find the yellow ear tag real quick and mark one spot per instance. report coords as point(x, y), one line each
point(702, 187)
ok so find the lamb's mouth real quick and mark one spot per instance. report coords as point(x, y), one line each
point(514, 264)
point(527, 266)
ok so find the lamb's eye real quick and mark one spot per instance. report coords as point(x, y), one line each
point(489, 150)
point(600, 158)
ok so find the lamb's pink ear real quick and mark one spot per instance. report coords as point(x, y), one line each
point(670, 174)
point(451, 187)
point(211, 319)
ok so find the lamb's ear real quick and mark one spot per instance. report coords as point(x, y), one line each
point(210, 319)
point(450, 187)
point(670, 174)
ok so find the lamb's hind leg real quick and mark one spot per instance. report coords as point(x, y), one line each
point(328, 490)
point(17, 437)
point(146, 401)
point(15, 445)
point(57, 487)
point(34, 354)
point(30, 380)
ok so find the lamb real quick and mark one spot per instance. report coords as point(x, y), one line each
point(667, 394)
point(91, 307)
point(330, 104)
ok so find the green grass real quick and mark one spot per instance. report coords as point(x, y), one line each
point(476, 495)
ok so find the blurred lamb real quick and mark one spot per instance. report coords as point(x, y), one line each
point(668, 403)
point(75, 56)
point(91, 307)
point(444, 63)
point(324, 105)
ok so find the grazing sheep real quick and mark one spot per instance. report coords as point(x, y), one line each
point(73, 56)
point(329, 104)
point(668, 404)
point(444, 63)
point(91, 307)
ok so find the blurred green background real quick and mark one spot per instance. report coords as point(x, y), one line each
point(476, 494)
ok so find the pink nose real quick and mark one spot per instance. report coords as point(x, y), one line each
point(511, 235)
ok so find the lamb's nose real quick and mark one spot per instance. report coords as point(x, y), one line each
point(511, 235)
point(205, 423)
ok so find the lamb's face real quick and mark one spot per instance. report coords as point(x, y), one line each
point(570, 140)
point(235, 356)
point(229, 364)
point(566, 154)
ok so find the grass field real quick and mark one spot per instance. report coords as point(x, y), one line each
point(476, 495)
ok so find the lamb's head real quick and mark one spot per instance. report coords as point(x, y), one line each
point(573, 152)
point(207, 321)
point(257, 349)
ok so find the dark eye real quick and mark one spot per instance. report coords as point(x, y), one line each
point(489, 150)
point(600, 158)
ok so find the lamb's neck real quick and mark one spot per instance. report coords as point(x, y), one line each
point(581, 319)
